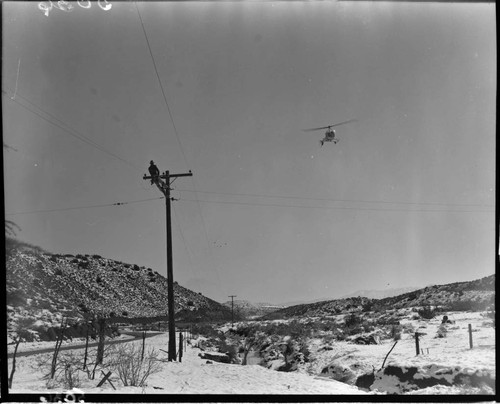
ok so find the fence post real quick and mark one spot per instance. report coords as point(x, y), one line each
point(180, 346)
point(470, 336)
point(417, 344)
point(143, 344)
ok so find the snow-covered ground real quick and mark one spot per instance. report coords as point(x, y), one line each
point(193, 376)
point(452, 350)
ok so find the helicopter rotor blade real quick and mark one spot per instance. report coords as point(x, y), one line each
point(329, 126)
point(343, 123)
point(313, 129)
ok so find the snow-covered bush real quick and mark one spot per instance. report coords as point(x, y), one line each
point(427, 312)
point(67, 370)
point(133, 366)
point(396, 332)
point(441, 331)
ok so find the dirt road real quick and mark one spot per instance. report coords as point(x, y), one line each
point(135, 335)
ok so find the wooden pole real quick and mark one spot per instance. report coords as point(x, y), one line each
point(86, 347)
point(164, 187)
point(470, 336)
point(417, 344)
point(181, 345)
point(143, 344)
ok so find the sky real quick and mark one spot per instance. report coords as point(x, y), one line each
point(225, 89)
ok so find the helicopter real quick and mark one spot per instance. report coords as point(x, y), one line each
point(330, 133)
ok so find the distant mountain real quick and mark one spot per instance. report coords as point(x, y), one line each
point(248, 310)
point(46, 287)
point(472, 295)
point(372, 294)
point(380, 294)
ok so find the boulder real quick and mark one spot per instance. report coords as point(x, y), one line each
point(371, 339)
point(340, 373)
point(215, 356)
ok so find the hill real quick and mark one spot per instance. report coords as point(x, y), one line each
point(380, 294)
point(471, 295)
point(249, 310)
point(46, 287)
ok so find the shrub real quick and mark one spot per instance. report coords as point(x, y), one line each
point(395, 332)
point(67, 371)
point(96, 256)
point(127, 361)
point(136, 268)
point(83, 264)
point(352, 320)
point(427, 312)
point(442, 331)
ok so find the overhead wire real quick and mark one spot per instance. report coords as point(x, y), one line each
point(188, 252)
point(336, 200)
point(83, 207)
point(251, 204)
point(175, 131)
point(338, 207)
point(68, 129)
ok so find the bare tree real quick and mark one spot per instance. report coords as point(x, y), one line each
point(22, 332)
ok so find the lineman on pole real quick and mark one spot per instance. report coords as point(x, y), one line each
point(153, 171)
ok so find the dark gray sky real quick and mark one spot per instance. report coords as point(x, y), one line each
point(406, 198)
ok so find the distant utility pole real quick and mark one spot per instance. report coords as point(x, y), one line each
point(164, 187)
point(232, 310)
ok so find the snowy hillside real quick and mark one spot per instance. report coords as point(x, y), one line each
point(380, 294)
point(46, 287)
point(473, 295)
point(249, 310)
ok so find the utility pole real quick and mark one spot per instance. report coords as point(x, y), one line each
point(163, 183)
point(232, 310)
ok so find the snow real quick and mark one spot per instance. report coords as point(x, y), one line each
point(192, 376)
point(195, 375)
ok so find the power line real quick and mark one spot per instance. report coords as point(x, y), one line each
point(161, 85)
point(184, 241)
point(339, 207)
point(175, 130)
point(83, 207)
point(334, 200)
point(67, 128)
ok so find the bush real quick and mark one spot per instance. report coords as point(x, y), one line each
point(395, 332)
point(127, 361)
point(67, 370)
point(442, 331)
point(427, 312)
point(352, 320)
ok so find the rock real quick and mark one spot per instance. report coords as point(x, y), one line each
point(367, 340)
point(340, 373)
point(215, 356)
